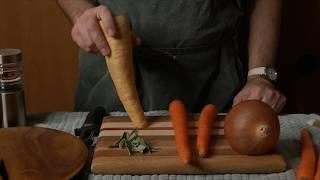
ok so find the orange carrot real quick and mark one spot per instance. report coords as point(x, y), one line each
point(179, 120)
point(307, 165)
point(205, 125)
point(121, 69)
point(317, 176)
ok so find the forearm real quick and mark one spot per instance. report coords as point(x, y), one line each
point(74, 8)
point(265, 22)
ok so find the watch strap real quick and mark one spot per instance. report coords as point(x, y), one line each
point(257, 71)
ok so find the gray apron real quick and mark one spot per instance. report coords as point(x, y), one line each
point(189, 51)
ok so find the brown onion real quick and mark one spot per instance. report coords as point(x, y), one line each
point(252, 127)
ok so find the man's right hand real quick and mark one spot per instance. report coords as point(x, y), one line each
point(86, 32)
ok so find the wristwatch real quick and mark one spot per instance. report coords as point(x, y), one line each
point(267, 72)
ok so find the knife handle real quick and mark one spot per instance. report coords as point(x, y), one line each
point(91, 125)
point(3, 173)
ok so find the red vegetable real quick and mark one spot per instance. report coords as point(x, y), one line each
point(179, 120)
point(205, 125)
point(317, 176)
point(307, 165)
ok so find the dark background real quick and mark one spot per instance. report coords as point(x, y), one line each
point(299, 56)
point(50, 58)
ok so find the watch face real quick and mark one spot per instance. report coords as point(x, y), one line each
point(271, 74)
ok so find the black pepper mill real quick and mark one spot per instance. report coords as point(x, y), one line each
point(12, 105)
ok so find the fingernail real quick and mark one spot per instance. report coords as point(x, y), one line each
point(110, 32)
point(138, 41)
point(105, 52)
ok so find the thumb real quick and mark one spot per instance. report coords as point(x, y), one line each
point(238, 98)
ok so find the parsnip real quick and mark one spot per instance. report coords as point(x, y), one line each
point(121, 69)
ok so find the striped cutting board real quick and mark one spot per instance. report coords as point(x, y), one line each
point(221, 159)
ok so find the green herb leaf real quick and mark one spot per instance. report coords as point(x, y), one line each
point(133, 143)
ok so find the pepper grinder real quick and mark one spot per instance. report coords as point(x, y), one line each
point(12, 104)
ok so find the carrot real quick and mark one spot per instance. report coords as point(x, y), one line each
point(307, 165)
point(179, 120)
point(205, 125)
point(121, 69)
point(317, 176)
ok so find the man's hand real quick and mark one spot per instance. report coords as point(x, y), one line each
point(265, 20)
point(87, 33)
point(261, 89)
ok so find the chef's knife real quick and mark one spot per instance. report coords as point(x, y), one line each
point(3, 173)
point(91, 126)
point(88, 133)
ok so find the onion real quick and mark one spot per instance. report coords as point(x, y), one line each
point(252, 127)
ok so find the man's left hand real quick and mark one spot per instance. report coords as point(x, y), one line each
point(261, 89)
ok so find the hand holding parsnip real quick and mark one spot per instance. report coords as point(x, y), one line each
point(121, 69)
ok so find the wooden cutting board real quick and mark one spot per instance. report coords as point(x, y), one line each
point(40, 153)
point(221, 159)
